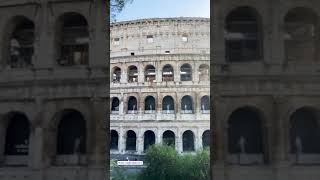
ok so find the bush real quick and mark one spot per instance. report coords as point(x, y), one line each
point(164, 163)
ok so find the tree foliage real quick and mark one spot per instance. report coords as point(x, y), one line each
point(116, 6)
point(164, 163)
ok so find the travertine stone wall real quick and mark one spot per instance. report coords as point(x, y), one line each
point(169, 47)
point(275, 85)
point(46, 88)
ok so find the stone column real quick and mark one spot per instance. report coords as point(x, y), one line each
point(122, 140)
point(158, 137)
point(179, 147)
point(98, 145)
point(140, 73)
point(139, 145)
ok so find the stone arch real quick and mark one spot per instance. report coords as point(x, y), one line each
point(206, 139)
point(167, 73)
point(149, 104)
point(188, 141)
point(186, 104)
point(186, 72)
point(204, 72)
point(301, 25)
point(132, 74)
point(131, 141)
point(149, 139)
point(17, 134)
point(72, 39)
point(305, 130)
point(71, 133)
point(246, 134)
point(115, 104)
point(244, 37)
point(150, 73)
point(168, 138)
point(114, 143)
point(18, 42)
point(205, 104)
point(132, 104)
point(168, 105)
point(116, 74)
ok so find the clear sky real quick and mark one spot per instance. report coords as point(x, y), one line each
point(139, 9)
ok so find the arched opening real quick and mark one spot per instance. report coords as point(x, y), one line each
point(188, 141)
point(17, 135)
point(301, 31)
point(205, 104)
point(206, 139)
point(149, 139)
point(149, 104)
point(169, 138)
point(115, 105)
point(243, 35)
point(72, 39)
point(204, 72)
point(71, 137)
point(150, 74)
point(114, 140)
point(116, 75)
point(186, 105)
point(305, 134)
point(132, 74)
point(168, 105)
point(167, 73)
point(186, 72)
point(21, 43)
point(132, 105)
point(131, 141)
point(245, 136)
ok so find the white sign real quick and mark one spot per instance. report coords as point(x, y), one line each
point(129, 163)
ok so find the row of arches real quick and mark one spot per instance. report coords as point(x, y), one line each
point(168, 73)
point(168, 138)
point(244, 35)
point(71, 41)
point(168, 104)
point(71, 137)
point(248, 135)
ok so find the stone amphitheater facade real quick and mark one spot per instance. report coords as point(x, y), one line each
point(53, 101)
point(265, 70)
point(159, 85)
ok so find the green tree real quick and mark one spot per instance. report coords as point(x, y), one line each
point(164, 163)
point(116, 6)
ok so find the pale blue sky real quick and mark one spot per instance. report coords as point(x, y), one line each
point(139, 9)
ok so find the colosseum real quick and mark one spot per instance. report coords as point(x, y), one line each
point(159, 85)
point(265, 69)
point(53, 100)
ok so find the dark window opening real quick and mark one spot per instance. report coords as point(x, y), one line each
point(243, 35)
point(132, 104)
point(131, 141)
point(74, 40)
point(149, 139)
point(205, 104)
point(132, 74)
point(186, 104)
point(305, 131)
point(300, 34)
point(115, 104)
point(22, 44)
point(167, 73)
point(169, 138)
point(149, 104)
point(188, 141)
point(186, 72)
point(17, 135)
point(116, 75)
point(114, 140)
point(206, 139)
point(168, 105)
point(71, 133)
point(150, 73)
